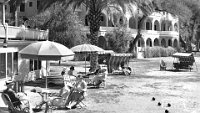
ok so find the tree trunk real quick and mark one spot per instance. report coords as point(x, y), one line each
point(197, 46)
point(138, 36)
point(94, 56)
point(94, 20)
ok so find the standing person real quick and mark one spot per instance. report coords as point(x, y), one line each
point(77, 93)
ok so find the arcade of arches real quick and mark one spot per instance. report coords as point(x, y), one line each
point(154, 24)
point(149, 23)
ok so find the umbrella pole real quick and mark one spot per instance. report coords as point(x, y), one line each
point(85, 63)
point(46, 75)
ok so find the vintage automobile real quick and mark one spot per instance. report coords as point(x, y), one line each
point(183, 61)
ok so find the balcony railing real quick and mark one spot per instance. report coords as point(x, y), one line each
point(103, 30)
point(23, 33)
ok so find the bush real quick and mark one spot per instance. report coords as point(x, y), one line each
point(158, 52)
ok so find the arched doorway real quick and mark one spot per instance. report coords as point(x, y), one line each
point(169, 27)
point(148, 24)
point(169, 42)
point(156, 42)
point(163, 24)
point(156, 26)
point(175, 44)
point(149, 42)
point(163, 43)
point(141, 42)
point(140, 48)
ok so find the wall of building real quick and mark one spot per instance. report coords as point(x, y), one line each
point(159, 29)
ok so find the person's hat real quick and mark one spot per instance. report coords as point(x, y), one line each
point(9, 82)
point(72, 68)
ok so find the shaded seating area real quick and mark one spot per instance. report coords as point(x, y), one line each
point(118, 63)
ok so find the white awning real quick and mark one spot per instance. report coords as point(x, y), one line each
point(8, 50)
point(182, 54)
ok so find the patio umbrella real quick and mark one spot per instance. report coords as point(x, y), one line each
point(86, 48)
point(45, 50)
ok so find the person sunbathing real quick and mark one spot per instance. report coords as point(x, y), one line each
point(77, 93)
point(96, 72)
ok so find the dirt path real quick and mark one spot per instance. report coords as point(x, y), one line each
point(124, 94)
point(133, 94)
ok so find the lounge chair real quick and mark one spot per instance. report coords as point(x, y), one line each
point(98, 80)
point(12, 108)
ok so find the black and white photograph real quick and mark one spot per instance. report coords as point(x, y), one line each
point(99, 56)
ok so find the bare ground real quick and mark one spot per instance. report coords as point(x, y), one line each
point(133, 94)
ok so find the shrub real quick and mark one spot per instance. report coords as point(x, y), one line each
point(158, 52)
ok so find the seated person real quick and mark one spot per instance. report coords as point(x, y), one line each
point(71, 74)
point(12, 94)
point(123, 70)
point(126, 71)
point(65, 89)
point(77, 93)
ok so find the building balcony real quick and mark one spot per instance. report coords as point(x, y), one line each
point(104, 30)
point(16, 33)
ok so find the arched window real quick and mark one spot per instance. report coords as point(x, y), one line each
point(148, 25)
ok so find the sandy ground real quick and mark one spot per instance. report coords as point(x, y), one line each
point(133, 94)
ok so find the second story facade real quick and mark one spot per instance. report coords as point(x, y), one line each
point(158, 29)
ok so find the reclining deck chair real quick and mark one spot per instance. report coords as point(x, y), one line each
point(116, 61)
point(12, 108)
point(98, 80)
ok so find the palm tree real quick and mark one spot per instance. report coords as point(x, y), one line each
point(94, 8)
